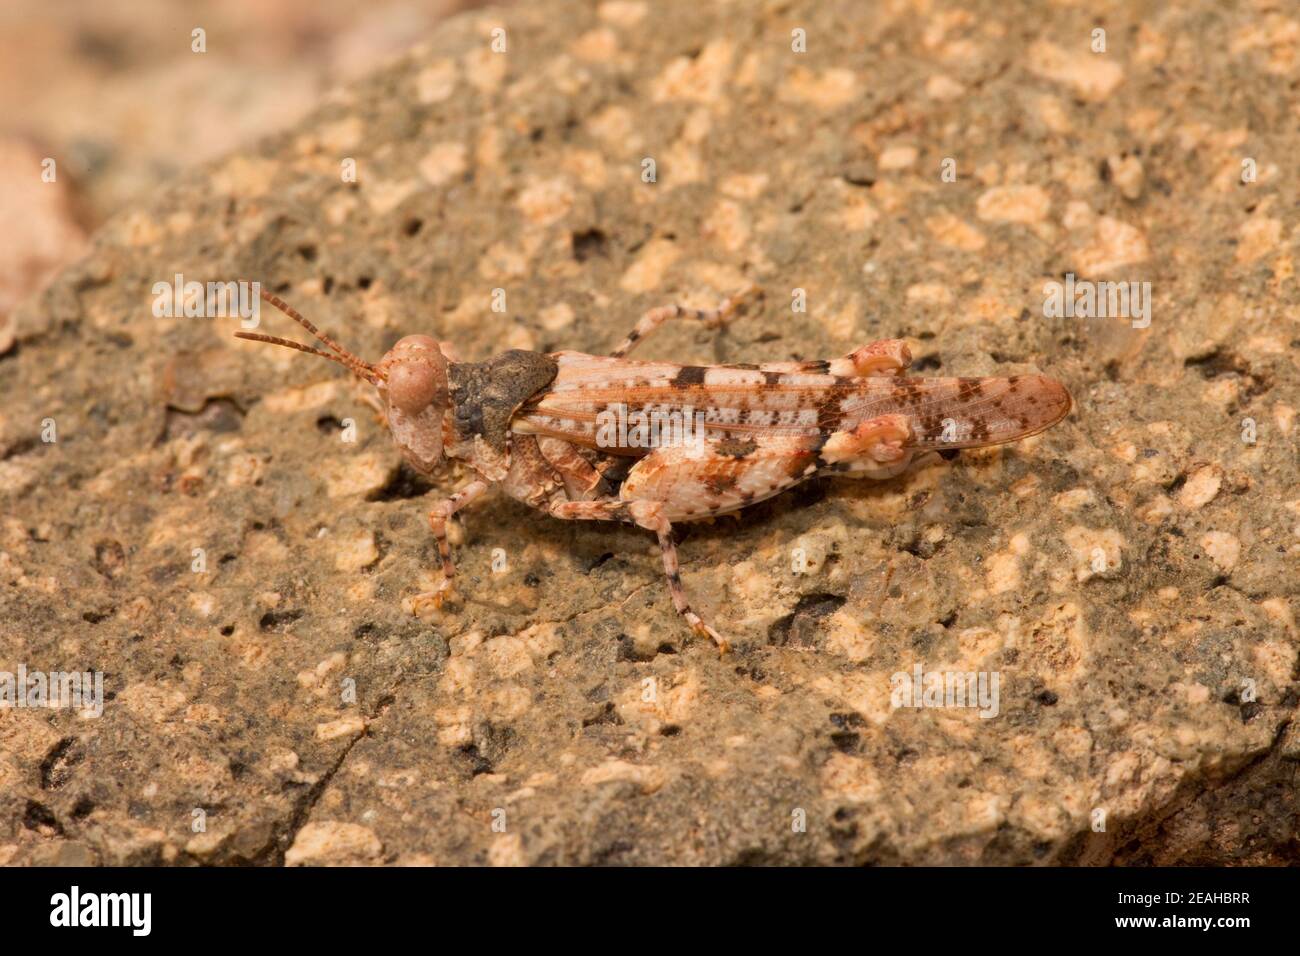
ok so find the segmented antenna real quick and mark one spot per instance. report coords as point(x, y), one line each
point(342, 356)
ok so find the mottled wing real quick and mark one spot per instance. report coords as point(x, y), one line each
point(787, 399)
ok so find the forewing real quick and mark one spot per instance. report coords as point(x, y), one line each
point(746, 401)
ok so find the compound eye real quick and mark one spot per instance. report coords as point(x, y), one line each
point(412, 386)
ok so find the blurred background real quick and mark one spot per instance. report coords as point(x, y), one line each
point(114, 93)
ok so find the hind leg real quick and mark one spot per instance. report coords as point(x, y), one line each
point(883, 357)
point(653, 519)
point(713, 318)
point(648, 515)
point(877, 448)
point(704, 479)
point(690, 482)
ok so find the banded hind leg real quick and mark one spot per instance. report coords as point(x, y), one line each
point(882, 357)
point(712, 318)
point(705, 479)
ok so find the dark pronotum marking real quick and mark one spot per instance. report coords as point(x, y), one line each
point(486, 394)
point(772, 378)
point(689, 375)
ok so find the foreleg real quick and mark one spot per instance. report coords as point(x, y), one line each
point(439, 515)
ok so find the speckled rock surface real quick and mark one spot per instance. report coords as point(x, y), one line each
point(1130, 576)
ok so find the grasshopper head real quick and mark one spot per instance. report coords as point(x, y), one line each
point(413, 385)
point(411, 379)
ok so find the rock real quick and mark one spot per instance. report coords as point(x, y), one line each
point(1223, 548)
point(1127, 174)
point(1201, 486)
point(349, 726)
point(1092, 75)
point(333, 844)
point(41, 231)
point(1105, 244)
point(1022, 204)
point(208, 533)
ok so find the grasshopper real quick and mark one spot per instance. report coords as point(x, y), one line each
point(550, 428)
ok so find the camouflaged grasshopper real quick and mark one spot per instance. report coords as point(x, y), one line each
point(538, 425)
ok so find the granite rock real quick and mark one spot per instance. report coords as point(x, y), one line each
point(224, 530)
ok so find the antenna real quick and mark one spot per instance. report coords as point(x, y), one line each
point(342, 356)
